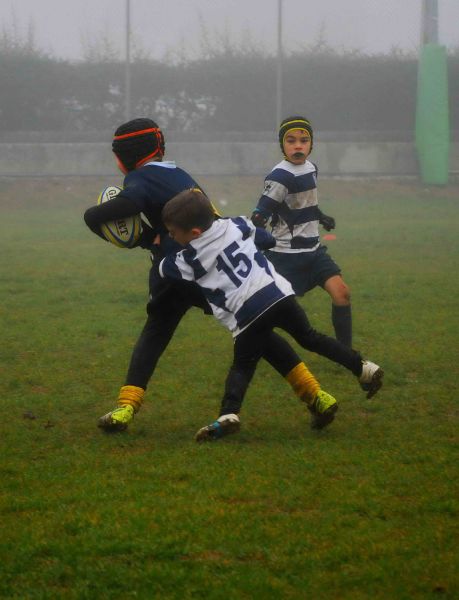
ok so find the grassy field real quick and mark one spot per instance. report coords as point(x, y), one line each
point(366, 509)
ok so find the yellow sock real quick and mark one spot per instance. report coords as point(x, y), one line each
point(303, 382)
point(131, 395)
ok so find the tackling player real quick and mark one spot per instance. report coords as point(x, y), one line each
point(249, 297)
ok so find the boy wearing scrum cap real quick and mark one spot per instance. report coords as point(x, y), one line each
point(289, 202)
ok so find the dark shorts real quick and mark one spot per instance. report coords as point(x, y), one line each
point(304, 270)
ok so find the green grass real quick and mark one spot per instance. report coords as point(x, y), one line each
point(365, 509)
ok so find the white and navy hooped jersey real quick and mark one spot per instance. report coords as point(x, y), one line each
point(238, 281)
point(289, 200)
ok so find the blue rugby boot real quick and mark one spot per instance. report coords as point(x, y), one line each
point(224, 425)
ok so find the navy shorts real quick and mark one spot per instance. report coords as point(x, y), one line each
point(304, 270)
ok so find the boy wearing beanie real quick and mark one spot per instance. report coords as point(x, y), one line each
point(289, 202)
point(149, 184)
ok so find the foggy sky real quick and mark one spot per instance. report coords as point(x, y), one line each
point(64, 28)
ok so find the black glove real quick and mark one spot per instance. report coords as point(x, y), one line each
point(258, 219)
point(328, 223)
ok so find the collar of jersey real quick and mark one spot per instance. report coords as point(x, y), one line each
point(216, 230)
point(167, 164)
point(304, 169)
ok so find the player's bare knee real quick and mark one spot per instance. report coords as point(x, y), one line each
point(339, 292)
point(345, 294)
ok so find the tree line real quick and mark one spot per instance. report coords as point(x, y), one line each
point(225, 90)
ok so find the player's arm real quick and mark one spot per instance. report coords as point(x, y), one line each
point(260, 218)
point(175, 268)
point(328, 223)
point(268, 205)
point(263, 239)
point(117, 208)
point(264, 211)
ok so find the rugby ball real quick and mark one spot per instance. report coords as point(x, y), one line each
point(122, 232)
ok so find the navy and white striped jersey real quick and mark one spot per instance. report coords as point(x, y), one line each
point(290, 200)
point(238, 281)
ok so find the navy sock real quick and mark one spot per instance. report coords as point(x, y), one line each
point(342, 323)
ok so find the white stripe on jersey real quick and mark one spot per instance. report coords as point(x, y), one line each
point(237, 279)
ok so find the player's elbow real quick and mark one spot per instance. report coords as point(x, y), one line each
point(91, 220)
point(88, 216)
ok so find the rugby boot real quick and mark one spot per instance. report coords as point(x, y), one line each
point(118, 419)
point(224, 425)
point(371, 378)
point(322, 409)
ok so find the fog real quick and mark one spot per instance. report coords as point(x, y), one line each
point(209, 72)
point(66, 29)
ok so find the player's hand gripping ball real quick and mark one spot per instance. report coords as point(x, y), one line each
point(125, 232)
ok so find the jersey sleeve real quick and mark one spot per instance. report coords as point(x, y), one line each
point(263, 239)
point(116, 208)
point(274, 193)
point(176, 268)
